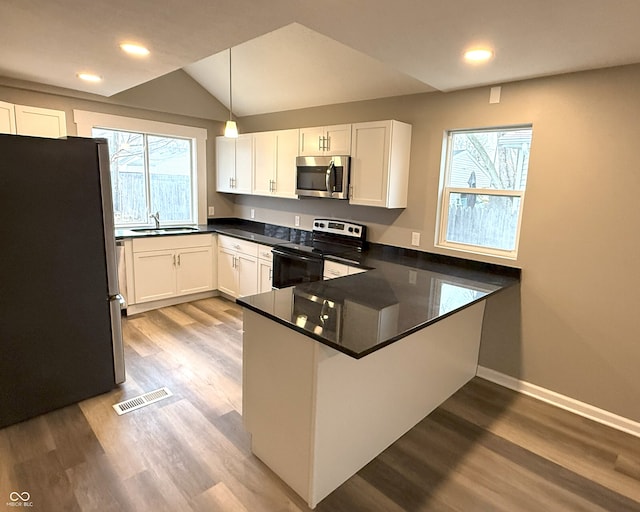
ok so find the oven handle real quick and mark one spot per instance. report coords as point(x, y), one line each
point(299, 257)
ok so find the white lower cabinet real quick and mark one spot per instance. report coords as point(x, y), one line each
point(194, 270)
point(237, 266)
point(155, 275)
point(165, 267)
point(265, 268)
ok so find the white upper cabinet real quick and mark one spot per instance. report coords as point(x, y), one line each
point(40, 122)
point(275, 163)
point(264, 162)
point(234, 164)
point(325, 140)
point(380, 164)
point(244, 164)
point(7, 118)
point(34, 121)
point(225, 164)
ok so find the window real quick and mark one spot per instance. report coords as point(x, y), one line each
point(149, 173)
point(482, 189)
point(155, 167)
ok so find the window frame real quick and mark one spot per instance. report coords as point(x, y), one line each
point(444, 194)
point(86, 121)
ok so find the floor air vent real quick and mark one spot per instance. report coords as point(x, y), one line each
point(140, 401)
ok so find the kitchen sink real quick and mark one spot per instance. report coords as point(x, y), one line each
point(165, 230)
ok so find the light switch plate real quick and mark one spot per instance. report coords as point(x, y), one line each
point(296, 220)
point(253, 213)
point(415, 238)
point(212, 210)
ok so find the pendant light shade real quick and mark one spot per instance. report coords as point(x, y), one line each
point(230, 128)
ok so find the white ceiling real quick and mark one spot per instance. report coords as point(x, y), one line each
point(290, 54)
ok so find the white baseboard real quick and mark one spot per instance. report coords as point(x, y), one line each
point(564, 402)
point(134, 309)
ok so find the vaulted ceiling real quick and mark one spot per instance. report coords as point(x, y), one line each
point(289, 54)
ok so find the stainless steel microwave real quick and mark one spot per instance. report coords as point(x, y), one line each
point(323, 176)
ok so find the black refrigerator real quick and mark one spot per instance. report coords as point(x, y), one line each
point(60, 325)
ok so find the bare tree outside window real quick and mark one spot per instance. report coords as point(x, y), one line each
point(149, 173)
point(485, 177)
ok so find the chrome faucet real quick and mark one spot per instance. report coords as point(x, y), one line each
point(156, 217)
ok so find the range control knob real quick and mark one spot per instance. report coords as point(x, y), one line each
point(350, 230)
point(316, 224)
point(357, 231)
point(322, 224)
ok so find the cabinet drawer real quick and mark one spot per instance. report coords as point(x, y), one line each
point(264, 252)
point(238, 245)
point(162, 243)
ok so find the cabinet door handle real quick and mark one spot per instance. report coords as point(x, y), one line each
point(327, 143)
point(178, 259)
point(174, 260)
point(350, 191)
point(320, 142)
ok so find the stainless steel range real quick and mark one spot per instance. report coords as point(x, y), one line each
point(294, 264)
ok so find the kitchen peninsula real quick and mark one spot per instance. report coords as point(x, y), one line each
point(335, 371)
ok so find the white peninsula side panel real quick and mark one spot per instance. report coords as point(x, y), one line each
point(317, 416)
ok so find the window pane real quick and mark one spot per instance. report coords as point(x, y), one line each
point(126, 152)
point(170, 178)
point(483, 220)
point(496, 159)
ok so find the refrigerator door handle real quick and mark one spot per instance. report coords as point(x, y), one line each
point(112, 268)
point(117, 297)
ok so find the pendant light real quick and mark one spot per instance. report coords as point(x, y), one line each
point(230, 129)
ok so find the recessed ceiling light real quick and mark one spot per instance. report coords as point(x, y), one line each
point(134, 49)
point(478, 55)
point(89, 77)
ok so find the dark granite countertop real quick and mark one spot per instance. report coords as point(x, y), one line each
point(266, 234)
point(370, 310)
point(404, 290)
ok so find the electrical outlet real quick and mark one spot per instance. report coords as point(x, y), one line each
point(296, 220)
point(415, 238)
point(494, 95)
point(253, 213)
point(212, 210)
point(413, 277)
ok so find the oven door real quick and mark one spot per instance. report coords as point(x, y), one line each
point(291, 268)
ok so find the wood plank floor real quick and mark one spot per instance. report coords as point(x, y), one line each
point(485, 449)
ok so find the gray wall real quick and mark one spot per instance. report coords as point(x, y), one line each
point(576, 328)
point(573, 327)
